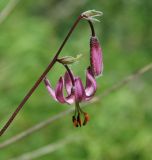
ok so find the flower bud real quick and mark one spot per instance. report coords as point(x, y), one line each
point(96, 56)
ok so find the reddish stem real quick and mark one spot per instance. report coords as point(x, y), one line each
point(39, 79)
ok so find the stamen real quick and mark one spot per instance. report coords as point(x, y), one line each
point(75, 123)
point(79, 120)
point(80, 111)
point(86, 118)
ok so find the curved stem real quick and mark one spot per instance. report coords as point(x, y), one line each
point(68, 70)
point(70, 74)
point(91, 25)
point(28, 95)
point(92, 28)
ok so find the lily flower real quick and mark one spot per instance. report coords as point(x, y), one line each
point(96, 59)
point(76, 92)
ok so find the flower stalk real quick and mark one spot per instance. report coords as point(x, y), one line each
point(77, 121)
point(48, 68)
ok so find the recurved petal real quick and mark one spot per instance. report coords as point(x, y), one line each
point(79, 90)
point(96, 56)
point(49, 88)
point(91, 85)
point(59, 93)
point(67, 83)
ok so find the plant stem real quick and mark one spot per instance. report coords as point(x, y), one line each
point(92, 28)
point(70, 74)
point(39, 79)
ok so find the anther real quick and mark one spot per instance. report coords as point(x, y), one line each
point(75, 122)
point(86, 118)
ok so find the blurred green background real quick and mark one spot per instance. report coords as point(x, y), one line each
point(121, 123)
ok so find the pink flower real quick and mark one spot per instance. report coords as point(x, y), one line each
point(96, 56)
point(76, 92)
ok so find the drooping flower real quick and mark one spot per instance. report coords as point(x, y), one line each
point(96, 56)
point(76, 92)
point(73, 85)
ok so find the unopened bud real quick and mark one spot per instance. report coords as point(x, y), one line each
point(96, 59)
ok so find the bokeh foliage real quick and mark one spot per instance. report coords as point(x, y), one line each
point(121, 123)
